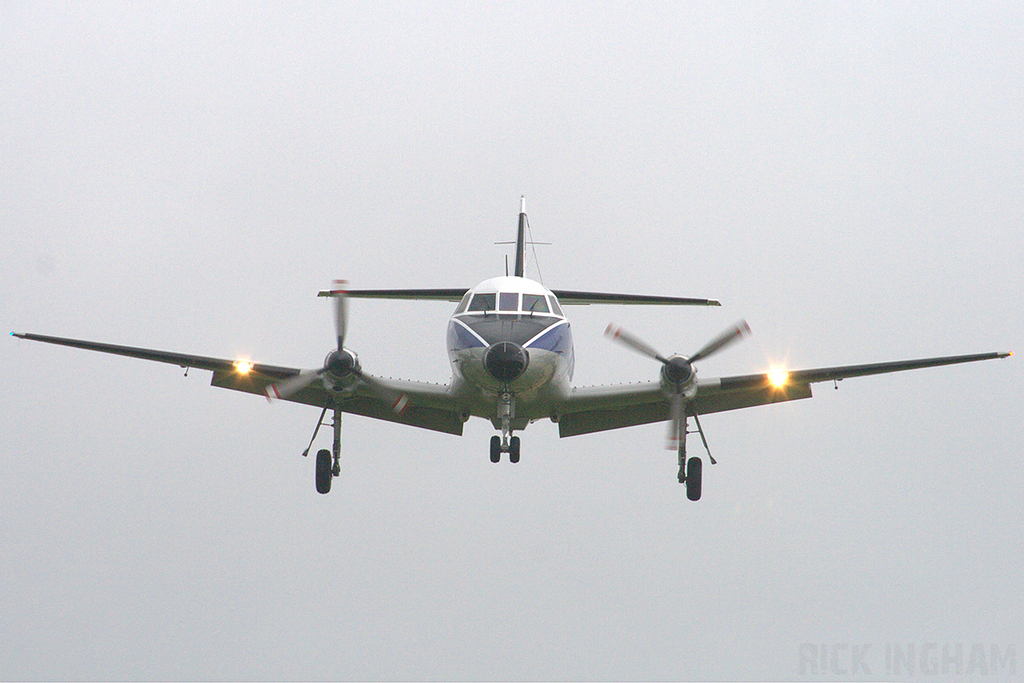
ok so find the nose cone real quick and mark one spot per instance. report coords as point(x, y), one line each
point(505, 361)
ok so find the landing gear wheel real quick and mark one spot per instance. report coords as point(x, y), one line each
point(495, 448)
point(324, 472)
point(693, 472)
point(513, 449)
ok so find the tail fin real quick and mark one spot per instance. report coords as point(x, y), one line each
point(521, 240)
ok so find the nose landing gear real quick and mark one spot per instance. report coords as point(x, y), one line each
point(510, 446)
point(505, 444)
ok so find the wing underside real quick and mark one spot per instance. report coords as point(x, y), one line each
point(594, 409)
point(585, 410)
point(429, 406)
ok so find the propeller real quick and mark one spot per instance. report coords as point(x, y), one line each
point(679, 375)
point(339, 365)
point(340, 294)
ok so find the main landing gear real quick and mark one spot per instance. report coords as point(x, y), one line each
point(691, 470)
point(689, 474)
point(328, 464)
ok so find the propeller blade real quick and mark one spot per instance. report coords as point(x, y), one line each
point(398, 401)
point(633, 342)
point(676, 423)
point(339, 291)
point(292, 385)
point(725, 339)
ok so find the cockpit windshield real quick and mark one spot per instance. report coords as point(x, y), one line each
point(483, 302)
point(535, 303)
point(509, 302)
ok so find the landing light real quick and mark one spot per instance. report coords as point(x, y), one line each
point(243, 367)
point(778, 378)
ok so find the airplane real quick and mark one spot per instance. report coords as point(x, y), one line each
point(511, 352)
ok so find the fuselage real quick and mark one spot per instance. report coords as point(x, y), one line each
point(509, 337)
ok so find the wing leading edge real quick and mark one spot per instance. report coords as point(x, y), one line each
point(594, 409)
point(430, 406)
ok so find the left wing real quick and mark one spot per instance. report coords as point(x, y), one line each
point(594, 409)
point(430, 406)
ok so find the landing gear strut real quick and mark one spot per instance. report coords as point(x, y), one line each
point(328, 464)
point(690, 470)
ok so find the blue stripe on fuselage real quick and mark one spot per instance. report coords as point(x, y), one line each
point(460, 337)
point(556, 339)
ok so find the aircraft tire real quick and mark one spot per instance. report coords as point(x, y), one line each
point(693, 478)
point(495, 448)
point(513, 449)
point(324, 474)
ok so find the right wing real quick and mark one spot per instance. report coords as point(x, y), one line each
point(594, 409)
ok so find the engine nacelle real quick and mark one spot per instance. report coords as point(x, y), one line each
point(679, 376)
point(506, 361)
point(341, 368)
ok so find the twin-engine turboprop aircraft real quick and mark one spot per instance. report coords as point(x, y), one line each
point(511, 352)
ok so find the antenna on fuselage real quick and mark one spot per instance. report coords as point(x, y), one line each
point(521, 239)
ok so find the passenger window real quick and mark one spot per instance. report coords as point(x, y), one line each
point(508, 301)
point(556, 308)
point(534, 303)
point(482, 302)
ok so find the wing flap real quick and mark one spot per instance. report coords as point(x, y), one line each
point(430, 406)
point(596, 409)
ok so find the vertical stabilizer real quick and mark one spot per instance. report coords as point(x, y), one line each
point(521, 240)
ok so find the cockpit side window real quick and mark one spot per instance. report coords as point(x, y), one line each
point(555, 307)
point(482, 302)
point(534, 303)
point(463, 304)
point(508, 301)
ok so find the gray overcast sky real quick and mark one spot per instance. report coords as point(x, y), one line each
point(846, 177)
